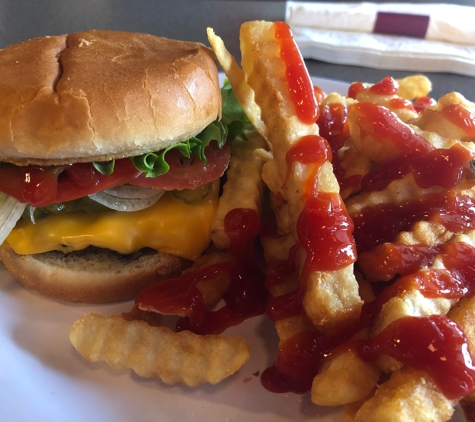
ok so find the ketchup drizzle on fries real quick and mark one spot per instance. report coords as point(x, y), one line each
point(434, 344)
point(300, 356)
point(246, 297)
point(461, 117)
point(300, 84)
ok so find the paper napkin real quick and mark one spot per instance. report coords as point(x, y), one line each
point(399, 36)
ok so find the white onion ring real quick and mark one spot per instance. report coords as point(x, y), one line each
point(32, 214)
point(125, 204)
point(10, 212)
point(129, 191)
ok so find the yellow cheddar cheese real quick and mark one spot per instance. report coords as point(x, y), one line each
point(170, 226)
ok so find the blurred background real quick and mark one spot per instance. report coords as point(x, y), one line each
point(187, 20)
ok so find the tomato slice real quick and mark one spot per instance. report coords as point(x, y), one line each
point(41, 186)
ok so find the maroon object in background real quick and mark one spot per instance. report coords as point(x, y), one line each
point(401, 24)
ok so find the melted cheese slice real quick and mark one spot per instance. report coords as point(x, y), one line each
point(169, 226)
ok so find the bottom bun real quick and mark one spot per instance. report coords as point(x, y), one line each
point(93, 275)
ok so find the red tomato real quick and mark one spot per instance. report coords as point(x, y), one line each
point(41, 186)
point(188, 176)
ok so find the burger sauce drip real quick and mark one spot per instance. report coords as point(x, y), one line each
point(300, 85)
point(246, 297)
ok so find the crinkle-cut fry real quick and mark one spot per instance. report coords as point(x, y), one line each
point(410, 87)
point(404, 189)
point(432, 119)
point(175, 358)
point(346, 378)
point(410, 303)
point(243, 188)
point(264, 75)
point(408, 396)
point(213, 288)
point(390, 101)
point(379, 147)
point(351, 160)
point(414, 86)
point(288, 327)
point(242, 90)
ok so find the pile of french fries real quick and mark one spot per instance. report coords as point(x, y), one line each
point(381, 390)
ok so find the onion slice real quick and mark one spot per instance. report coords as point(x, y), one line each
point(11, 210)
point(129, 191)
point(126, 204)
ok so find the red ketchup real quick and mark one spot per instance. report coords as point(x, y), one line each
point(387, 86)
point(333, 126)
point(39, 186)
point(246, 297)
point(421, 103)
point(300, 85)
point(429, 166)
point(401, 103)
point(460, 117)
point(354, 89)
point(324, 231)
point(434, 344)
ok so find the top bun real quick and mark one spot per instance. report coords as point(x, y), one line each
point(99, 95)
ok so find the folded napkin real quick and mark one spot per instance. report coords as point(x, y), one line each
point(400, 36)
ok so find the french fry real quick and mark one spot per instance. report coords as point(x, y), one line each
point(398, 102)
point(213, 288)
point(243, 188)
point(175, 358)
point(345, 379)
point(409, 395)
point(331, 297)
point(435, 120)
point(414, 86)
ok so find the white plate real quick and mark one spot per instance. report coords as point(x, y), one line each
point(43, 378)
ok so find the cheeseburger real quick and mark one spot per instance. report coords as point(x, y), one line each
point(111, 150)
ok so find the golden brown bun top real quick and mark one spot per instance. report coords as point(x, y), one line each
point(97, 95)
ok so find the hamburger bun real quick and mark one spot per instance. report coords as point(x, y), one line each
point(91, 276)
point(98, 95)
point(95, 96)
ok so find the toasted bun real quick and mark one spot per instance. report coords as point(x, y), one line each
point(98, 95)
point(91, 276)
